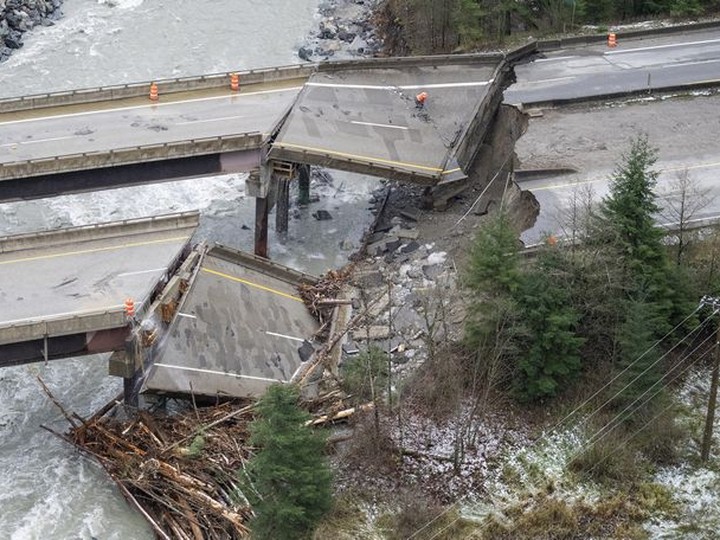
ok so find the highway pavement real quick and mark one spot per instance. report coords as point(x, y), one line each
point(561, 197)
point(370, 115)
point(240, 328)
point(60, 278)
point(633, 65)
point(592, 139)
point(142, 122)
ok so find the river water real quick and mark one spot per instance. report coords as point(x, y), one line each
point(48, 490)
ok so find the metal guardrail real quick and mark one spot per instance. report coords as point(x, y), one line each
point(115, 229)
point(590, 39)
point(165, 86)
point(411, 61)
point(130, 155)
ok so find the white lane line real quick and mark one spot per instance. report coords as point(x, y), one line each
point(224, 373)
point(139, 272)
point(553, 59)
point(148, 106)
point(372, 124)
point(556, 79)
point(694, 63)
point(269, 333)
point(187, 315)
point(401, 87)
point(209, 120)
point(656, 47)
point(36, 141)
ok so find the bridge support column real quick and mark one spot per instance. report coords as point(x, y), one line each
point(303, 184)
point(282, 209)
point(261, 226)
point(127, 363)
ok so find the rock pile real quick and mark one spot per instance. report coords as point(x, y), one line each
point(19, 16)
point(345, 31)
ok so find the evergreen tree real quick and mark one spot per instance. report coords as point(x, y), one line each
point(549, 356)
point(492, 278)
point(288, 481)
point(494, 263)
point(637, 385)
point(628, 222)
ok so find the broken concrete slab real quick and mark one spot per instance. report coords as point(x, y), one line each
point(372, 333)
point(408, 234)
point(413, 214)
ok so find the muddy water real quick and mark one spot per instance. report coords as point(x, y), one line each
point(50, 492)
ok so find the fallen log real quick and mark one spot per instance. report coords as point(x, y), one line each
point(342, 415)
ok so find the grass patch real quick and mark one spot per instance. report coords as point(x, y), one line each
point(620, 515)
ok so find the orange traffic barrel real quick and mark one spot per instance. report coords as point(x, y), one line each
point(234, 82)
point(153, 92)
point(129, 308)
point(612, 41)
point(421, 98)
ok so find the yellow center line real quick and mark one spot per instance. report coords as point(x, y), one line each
point(355, 156)
point(95, 250)
point(251, 284)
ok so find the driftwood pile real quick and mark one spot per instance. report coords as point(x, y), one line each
point(321, 297)
point(179, 471)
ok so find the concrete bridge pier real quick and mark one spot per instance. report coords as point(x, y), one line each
point(262, 209)
point(270, 185)
point(128, 364)
point(282, 210)
point(303, 184)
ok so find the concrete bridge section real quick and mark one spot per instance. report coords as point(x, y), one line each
point(240, 328)
point(363, 116)
point(62, 292)
point(358, 116)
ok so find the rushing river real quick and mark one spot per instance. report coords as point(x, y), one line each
point(48, 490)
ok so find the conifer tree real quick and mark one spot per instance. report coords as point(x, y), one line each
point(492, 279)
point(628, 217)
point(549, 356)
point(288, 481)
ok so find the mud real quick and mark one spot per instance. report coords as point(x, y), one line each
point(591, 138)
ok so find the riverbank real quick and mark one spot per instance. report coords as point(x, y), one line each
point(20, 16)
point(345, 30)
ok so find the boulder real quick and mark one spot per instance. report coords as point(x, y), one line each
point(305, 54)
point(14, 39)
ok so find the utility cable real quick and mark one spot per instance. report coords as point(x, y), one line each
point(574, 411)
point(663, 411)
point(617, 376)
point(612, 424)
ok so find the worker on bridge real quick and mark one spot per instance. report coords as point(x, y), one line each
point(420, 100)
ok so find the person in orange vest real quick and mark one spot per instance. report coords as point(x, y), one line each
point(420, 100)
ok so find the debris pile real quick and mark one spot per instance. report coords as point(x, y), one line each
point(182, 471)
point(179, 471)
point(322, 297)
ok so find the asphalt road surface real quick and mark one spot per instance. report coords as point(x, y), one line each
point(30, 137)
point(592, 140)
point(371, 116)
point(75, 279)
point(633, 65)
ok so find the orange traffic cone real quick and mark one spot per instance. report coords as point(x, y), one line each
point(153, 92)
point(234, 82)
point(612, 41)
point(129, 308)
